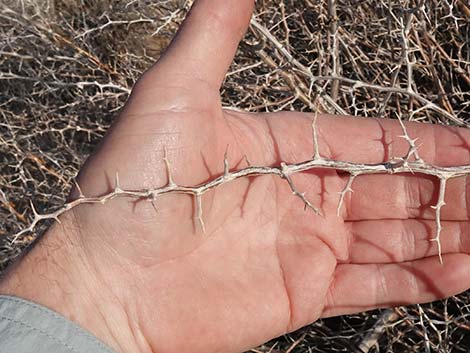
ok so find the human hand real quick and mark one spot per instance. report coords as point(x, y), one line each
point(144, 277)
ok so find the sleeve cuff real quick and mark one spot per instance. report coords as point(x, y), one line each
point(26, 327)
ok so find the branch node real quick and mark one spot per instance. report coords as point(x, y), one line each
point(413, 149)
point(301, 195)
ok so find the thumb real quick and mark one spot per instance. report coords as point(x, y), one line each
point(206, 43)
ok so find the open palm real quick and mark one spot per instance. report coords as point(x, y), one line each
point(264, 265)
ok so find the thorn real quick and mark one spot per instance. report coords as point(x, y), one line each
point(117, 185)
point(413, 150)
point(154, 205)
point(438, 207)
point(79, 189)
point(199, 212)
point(316, 149)
point(347, 188)
point(295, 192)
point(439, 248)
point(247, 160)
point(312, 207)
point(226, 166)
point(168, 168)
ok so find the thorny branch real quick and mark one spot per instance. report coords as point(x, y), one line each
point(283, 171)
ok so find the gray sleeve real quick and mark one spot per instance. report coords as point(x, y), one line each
point(26, 327)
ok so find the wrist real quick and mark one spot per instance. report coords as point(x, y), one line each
point(56, 274)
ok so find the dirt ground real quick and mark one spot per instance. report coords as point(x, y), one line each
point(67, 66)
